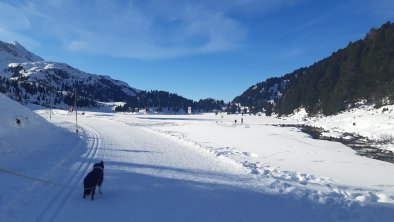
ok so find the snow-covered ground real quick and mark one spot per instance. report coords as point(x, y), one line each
point(184, 168)
point(291, 159)
point(31, 149)
point(375, 124)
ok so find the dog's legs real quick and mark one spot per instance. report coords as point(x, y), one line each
point(100, 189)
point(84, 192)
point(93, 191)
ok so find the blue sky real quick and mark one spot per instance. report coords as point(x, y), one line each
point(197, 48)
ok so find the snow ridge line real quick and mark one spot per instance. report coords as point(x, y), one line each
point(50, 211)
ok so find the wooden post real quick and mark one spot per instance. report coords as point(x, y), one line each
point(75, 109)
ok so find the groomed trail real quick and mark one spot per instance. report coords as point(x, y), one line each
point(151, 177)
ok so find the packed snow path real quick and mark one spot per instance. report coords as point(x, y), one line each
point(150, 177)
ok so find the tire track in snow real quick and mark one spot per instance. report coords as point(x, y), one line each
point(89, 160)
point(54, 206)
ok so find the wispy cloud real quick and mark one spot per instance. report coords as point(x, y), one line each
point(293, 53)
point(151, 29)
point(381, 9)
point(13, 25)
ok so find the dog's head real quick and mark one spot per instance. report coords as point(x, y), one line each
point(99, 165)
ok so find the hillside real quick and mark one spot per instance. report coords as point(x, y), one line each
point(27, 78)
point(15, 52)
point(363, 71)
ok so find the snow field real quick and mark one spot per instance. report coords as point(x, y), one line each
point(195, 161)
point(188, 168)
point(295, 163)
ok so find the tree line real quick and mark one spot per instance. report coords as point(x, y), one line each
point(162, 101)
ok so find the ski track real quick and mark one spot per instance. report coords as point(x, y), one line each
point(54, 205)
point(158, 175)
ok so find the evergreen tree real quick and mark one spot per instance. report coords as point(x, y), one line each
point(364, 70)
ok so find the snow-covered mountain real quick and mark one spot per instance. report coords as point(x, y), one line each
point(15, 53)
point(29, 79)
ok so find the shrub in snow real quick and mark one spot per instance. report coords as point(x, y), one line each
point(386, 139)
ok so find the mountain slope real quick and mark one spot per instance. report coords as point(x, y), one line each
point(363, 71)
point(263, 96)
point(15, 52)
point(29, 79)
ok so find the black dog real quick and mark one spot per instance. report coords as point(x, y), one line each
point(93, 179)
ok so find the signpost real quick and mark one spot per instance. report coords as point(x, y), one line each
point(75, 109)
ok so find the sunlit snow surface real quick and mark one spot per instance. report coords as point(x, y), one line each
point(188, 168)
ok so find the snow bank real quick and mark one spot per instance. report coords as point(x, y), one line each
point(29, 146)
point(375, 124)
point(22, 132)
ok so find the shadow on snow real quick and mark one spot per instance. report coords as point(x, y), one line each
point(130, 196)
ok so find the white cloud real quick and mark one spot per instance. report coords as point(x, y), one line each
point(10, 36)
point(13, 24)
point(149, 29)
point(137, 33)
point(12, 20)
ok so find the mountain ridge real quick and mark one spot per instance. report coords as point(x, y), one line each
point(28, 78)
point(363, 71)
point(15, 53)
